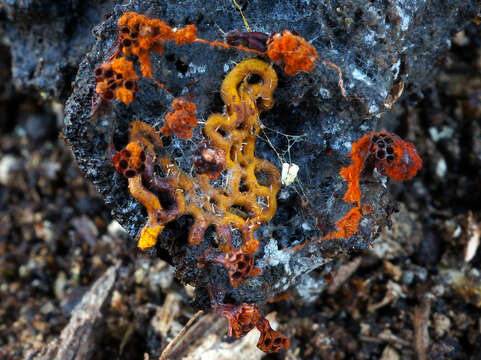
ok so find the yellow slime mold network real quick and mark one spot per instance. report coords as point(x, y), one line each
point(248, 197)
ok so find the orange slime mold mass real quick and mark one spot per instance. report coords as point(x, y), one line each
point(243, 318)
point(292, 50)
point(116, 80)
point(139, 34)
point(387, 153)
point(182, 120)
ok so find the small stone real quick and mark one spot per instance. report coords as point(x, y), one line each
point(421, 274)
point(444, 133)
point(117, 302)
point(441, 168)
point(189, 290)
point(461, 39)
point(59, 285)
point(442, 324)
point(389, 354)
point(160, 276)
point(365, 329)
point(438, 290)
point(140, 275)
point(44, 230)
point(41, 326)
point(23, 271)
point(408, 277)
point(48, 308)
point(40, 127)
point(50, 169)
point(86, 229)
point(392, 270)
point(115, 229)
point(10, 166)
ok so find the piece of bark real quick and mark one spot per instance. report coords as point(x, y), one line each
point(78, 339)
point(197, 327)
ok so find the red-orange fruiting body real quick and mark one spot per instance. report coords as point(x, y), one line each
point(242, 318)
point(116, 80)
point(182, 120)
point(398, 158)
point(239, 265)
point(390, 155)
point(292, 50)
point(270, 340)
point(139, 34)
point(130, 161)
point(387, 153)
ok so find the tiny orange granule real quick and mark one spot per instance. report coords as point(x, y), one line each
point(292, 50)
point(182, 120)
point(116, 80)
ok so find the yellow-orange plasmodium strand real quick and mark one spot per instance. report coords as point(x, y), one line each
point(249, 196)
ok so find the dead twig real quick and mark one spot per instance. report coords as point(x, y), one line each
point(420, 324)
point(168, 350)
point(386, 337)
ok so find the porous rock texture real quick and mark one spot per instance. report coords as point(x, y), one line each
point(47, 39)
point(380, 47)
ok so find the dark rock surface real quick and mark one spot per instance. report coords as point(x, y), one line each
point(377, 46)
point(47, 41)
